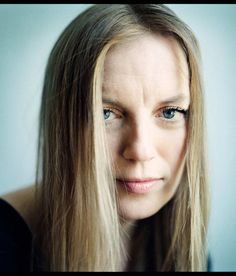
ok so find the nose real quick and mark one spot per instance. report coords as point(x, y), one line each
point(139, 145)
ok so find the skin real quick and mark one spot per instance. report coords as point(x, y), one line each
point(144, 76)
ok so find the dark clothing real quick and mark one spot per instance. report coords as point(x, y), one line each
point(16, 247)
point(17, 251)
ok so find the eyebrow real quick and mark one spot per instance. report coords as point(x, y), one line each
point(112, 101)
point(174, 99)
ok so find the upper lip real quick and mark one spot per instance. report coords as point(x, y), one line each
point(148, 179)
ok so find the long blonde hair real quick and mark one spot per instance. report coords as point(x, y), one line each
point(79, 228)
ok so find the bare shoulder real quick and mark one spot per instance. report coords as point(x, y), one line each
point(23, 201)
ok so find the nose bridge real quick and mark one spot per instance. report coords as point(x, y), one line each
point(141, 130)
point(140, 142)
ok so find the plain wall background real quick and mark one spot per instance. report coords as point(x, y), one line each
point(27, 34)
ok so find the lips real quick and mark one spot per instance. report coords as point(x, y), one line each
point(139, 186)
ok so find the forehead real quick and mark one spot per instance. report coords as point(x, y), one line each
point(151, 61)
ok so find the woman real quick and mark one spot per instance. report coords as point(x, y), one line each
point(121, 180)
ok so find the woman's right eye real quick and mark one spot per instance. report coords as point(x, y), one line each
point(108, 114)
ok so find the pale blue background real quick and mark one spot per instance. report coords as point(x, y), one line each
point(27, 34)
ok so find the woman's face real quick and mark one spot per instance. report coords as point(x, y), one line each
point(145, 99)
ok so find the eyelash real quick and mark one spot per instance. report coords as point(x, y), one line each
point(163, 109)
point(176, 109)
point(109, 109)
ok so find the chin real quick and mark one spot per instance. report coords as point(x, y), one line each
point(131, 216)
point(138, 207)
point(134, 206)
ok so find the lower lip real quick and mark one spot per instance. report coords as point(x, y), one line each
point(138, 187)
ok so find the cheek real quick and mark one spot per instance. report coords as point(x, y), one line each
point(172, 148)
point(114, 143)
point(173, 153)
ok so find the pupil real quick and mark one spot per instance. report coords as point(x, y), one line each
point(169, 114)
point(106, 114)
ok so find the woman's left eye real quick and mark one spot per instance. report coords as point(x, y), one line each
point(169, 113)
point(173, 113)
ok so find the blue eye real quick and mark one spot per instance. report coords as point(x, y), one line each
point(174, 113)
point(169, 113)
point(107, 114)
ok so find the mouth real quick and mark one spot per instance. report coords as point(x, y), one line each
point(139, 186)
